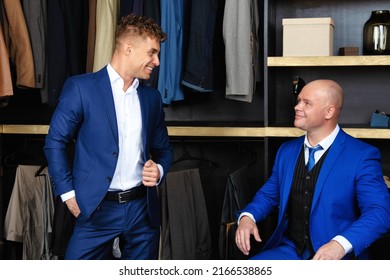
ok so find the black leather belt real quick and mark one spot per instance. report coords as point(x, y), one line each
point(126, 196)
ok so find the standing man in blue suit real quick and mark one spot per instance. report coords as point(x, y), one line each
point(122, 149)
point(333, 210)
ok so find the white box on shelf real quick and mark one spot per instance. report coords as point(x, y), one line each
point(308, 36)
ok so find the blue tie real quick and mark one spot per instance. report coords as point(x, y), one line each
point(311, 162)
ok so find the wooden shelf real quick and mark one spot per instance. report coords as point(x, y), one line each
point(362, 133)
point(216, 131)
point(295, 61)
point(23, 129)
point(369, 133)
point(193, 131)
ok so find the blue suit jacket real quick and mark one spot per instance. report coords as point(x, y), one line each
point(86, 114)
point(350, 198)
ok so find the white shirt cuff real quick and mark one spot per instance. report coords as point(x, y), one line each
point(161, 173)
point(245, 214)
point(66, 196)
point(344, 243)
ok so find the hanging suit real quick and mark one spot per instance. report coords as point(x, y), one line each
point(185, 233)
point(171, 53)
point(67, 26)
point(29, 217)
point(107, 15)
point(35, 15)
point(237, 194)
point(240, 32)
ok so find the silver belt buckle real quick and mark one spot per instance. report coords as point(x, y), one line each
point(120, 200)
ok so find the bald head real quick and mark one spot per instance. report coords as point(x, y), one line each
point(330, 91)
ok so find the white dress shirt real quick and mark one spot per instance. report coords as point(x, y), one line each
point(128, 172)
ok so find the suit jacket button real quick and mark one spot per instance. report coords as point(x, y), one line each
point(115, 154)
point(108, 179)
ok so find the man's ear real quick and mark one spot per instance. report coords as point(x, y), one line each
point(330, 111)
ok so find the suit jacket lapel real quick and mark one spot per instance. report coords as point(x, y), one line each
point(289, 172)
point(333, 154)
point(152, 196)
point(105, 92)
point(142, 96)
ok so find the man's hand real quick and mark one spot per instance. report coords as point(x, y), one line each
point(330, 251)
point(150, 174)
point(73, 206)
point(246, 228)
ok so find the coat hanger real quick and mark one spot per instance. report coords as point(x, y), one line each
point(243, 159)
point(186, 156)
point(12, 160)
point(39, 170)
point(23, 156)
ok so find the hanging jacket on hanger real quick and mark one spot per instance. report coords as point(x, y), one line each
point(30, 212)
point(185, 233)
point(237, 194)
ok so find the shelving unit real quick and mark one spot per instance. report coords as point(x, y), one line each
point(365, 79)
point(320, 61)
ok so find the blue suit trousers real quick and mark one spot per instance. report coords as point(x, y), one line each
point(93, 237)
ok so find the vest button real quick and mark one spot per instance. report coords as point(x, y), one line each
point(307, 177)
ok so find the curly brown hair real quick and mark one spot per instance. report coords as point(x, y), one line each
point(139, 25)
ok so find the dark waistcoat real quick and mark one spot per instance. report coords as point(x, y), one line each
point(300, 202)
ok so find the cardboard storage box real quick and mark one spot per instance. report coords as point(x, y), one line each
point(308, 36)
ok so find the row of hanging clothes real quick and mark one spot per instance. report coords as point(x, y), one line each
point(200, 197)
point(24, 188)
point(79, 36)
point(32, 222)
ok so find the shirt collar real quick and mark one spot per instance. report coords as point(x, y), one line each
point(327, 141)
point(115, 78)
